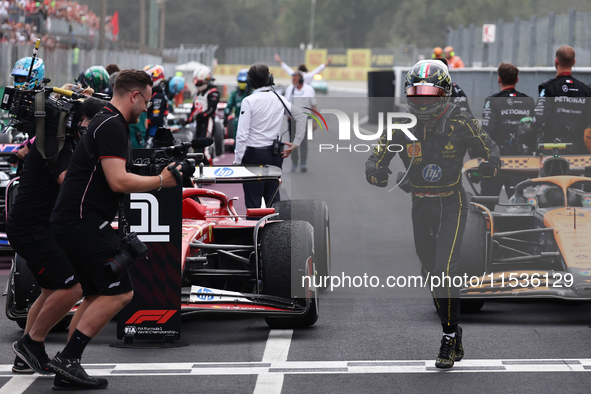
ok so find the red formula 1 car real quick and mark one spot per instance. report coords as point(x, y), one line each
point(539, 244)
point(258, 263)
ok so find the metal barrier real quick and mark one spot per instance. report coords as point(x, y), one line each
point(58, 61)
point(525, 43)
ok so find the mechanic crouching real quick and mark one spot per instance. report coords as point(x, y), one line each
point(439, 205)
point(91, 195)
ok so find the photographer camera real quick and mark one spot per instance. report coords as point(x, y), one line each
point(97, 180)
point(28, 231)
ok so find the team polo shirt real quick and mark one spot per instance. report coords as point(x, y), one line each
point(38, 188)
point(85, 193)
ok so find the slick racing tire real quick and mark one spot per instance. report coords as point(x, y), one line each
point(22, 291)
point(285, 249)
point(218, 138)
point(316, 213)
point(474, 249)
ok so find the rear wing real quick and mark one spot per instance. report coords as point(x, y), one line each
point(237, 174)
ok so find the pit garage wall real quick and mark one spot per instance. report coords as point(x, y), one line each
point(479, 83)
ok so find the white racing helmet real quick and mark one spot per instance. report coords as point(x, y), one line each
point(202, 77)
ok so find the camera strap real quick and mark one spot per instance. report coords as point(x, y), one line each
point(40, 128)
point(288, 111)
point(122, 219)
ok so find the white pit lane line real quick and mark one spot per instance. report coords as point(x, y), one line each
point(276, 351)
point(18, 383)
point(272, 369)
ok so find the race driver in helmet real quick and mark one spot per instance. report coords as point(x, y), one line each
point(158, 110)
point(95, 77)
point(21, 71)
point(439, 205)
point(235, 100)
point(205, 102)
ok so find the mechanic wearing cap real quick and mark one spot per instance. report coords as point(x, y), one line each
point(502, 114)
point(261, 117)
point(453, 61)
point(27, 227)
point(439, 205)
point(235, 100)
point(562, 111)
point(308, 76)
point(89, 199)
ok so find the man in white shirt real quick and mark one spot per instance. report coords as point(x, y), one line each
point(261, 117)
point(4, 8)
point(308, 76)
point(302, 95)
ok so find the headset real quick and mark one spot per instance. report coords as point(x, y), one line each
point(270, 80)
point(301, 79)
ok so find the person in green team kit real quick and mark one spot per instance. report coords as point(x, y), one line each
point(236, 97)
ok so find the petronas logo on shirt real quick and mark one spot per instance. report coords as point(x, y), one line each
point(449, 146)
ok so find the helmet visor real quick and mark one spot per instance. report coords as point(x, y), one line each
point(424, 94)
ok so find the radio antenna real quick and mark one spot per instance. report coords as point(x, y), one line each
point(35, 51)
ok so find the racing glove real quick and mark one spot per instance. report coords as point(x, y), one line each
point(487, 169)
point(524, 130)
point(226, 120)
point(378, 177)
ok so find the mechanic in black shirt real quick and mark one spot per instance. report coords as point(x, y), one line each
point(502, 114)
point(439, 204)
point(96, 181)
point(27, 227)
point(562, 111)
point(458, 97)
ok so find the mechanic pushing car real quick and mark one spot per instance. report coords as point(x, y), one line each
point(159, 109)
point(89, 199)
point(235, 100)
point(205, 102)
point(439, 204)
point(502, 114)
point(562, 111)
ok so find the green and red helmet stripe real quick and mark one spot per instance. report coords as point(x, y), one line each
point(424, 71)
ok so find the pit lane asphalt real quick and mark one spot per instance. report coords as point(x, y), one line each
point(371, 233)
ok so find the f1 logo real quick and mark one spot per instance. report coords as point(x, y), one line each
point(159, 316)
point(149, 229)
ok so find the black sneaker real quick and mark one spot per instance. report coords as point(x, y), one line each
point(34, 356)
point(72, 375)
point(447, 352)
point(20, 366)
point(63, 383)
point(459, 347)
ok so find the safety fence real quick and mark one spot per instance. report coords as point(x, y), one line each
point(525, 43)
point(60, 64)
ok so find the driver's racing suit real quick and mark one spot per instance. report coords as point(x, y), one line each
point(439, 204)
point(203, 111)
